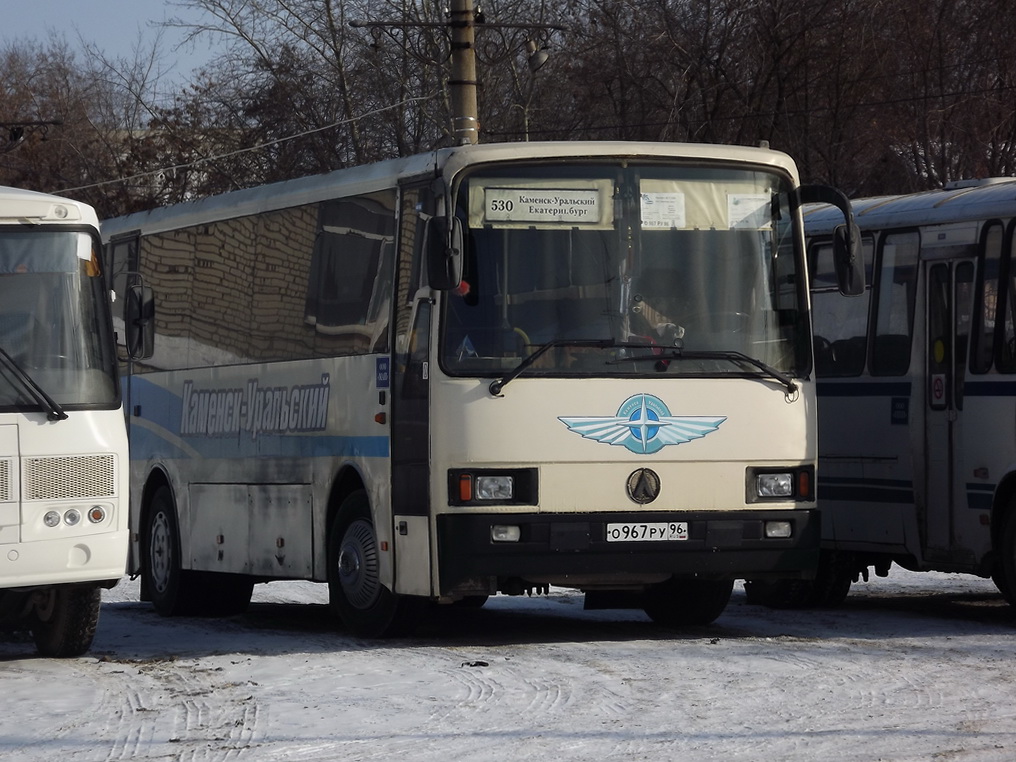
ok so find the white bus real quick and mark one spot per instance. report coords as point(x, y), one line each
point(485, 369)
point(63, 442)
point(917, 389)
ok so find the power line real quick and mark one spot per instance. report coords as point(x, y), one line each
point(260, 146)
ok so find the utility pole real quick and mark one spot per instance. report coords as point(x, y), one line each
point(462, 84)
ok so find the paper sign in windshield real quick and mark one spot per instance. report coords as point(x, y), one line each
point(663, 211)
point(520, 205)
point(749, 210)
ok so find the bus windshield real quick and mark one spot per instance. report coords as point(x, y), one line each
point(54, 323)
point(693, 266)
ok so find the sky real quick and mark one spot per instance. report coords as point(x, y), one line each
point(114, 26)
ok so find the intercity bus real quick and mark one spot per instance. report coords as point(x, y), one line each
point(63, 441)
point(486, 369)
point(917, 389)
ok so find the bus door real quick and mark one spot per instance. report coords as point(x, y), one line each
point(410, 403)
point(950, 286)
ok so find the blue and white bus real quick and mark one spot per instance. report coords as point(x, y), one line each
point(63, 442)
point(486, 369)
point(917, 389)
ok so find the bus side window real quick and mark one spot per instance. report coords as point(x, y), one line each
point(841, 322)
point(1005, 359)
point(985, 328)
point(894, 308)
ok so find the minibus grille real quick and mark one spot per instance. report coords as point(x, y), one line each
point(5, 480)
point(69, 477)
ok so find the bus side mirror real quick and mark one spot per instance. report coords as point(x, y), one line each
point(847, 255)
point(848, 259)
point(444, 253)
point(139, 319)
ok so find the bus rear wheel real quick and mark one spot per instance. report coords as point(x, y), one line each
point(685, 602)
point(65, 619)
point(355, 592)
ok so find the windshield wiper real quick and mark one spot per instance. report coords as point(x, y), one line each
point(676, 353)
point(53, 410)
point(501, 383)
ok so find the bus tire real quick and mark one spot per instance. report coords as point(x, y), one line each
point(174, 591)
point(65, 621)
point(684, 602)
point(1005, 576)
point(355, 593)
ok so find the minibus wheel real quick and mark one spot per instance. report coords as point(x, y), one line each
point(65, 619)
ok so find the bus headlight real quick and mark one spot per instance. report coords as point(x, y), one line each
point(73, 517)
point(492, 486)
point(775, 485)
point(51, 519)
point(767, 484)
point(495, 487)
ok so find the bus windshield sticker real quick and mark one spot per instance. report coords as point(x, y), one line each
point(749, 211)
point(663, 211)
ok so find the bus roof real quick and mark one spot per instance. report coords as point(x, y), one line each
point(24, 207)
point(963, 202)
point(374, 177)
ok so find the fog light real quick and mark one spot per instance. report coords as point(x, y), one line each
point(774, 485)
point(495, 487)
point(51, 519)
point(505, 533)
point(779, 529)
point(96, 514)
point(72, 517)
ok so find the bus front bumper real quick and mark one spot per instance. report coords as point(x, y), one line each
point(572, 550)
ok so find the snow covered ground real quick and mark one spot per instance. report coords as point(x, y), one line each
point(913, 667)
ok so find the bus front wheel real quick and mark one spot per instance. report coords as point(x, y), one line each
point(684, 602)
point(173, 590)
point(355, 592)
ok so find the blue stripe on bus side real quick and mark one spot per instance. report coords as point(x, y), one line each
point(157, 434)
point(865, 490)
point(147, 444)
point(863, 389)
point(980, 496)
point(989, 389)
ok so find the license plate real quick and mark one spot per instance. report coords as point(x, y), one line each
point(661, 531)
